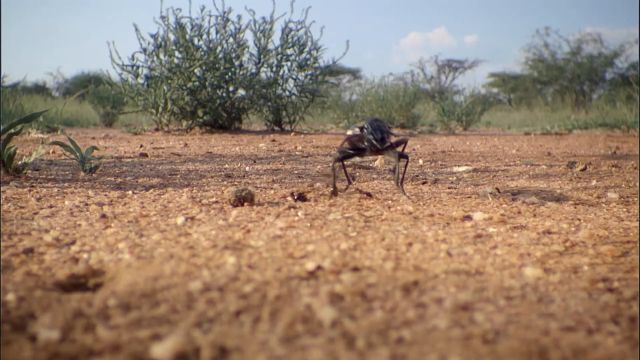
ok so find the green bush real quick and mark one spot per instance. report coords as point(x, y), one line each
point(108, 102)
point(393, 98)
point(78, 85)
point(96, 88)
point(287, 69)
point(64, 112)
point(212, 69)
point(11, 106)
point(604, 116)
point(461, 110)
point(555, 118)
point(191, 72)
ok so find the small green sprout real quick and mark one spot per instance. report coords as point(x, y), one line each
point(83, 158)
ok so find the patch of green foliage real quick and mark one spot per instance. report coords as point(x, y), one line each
point(462, 110)
point(84, 158)
point(572, 83)
point(108, 102)
point(214, 69)
point(392, 98)
point(98, 90)
point(8, 151)
point(63, 112)
point(611, 122)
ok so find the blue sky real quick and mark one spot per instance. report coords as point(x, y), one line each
point(42, 36)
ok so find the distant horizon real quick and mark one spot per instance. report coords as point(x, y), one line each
point(39, 38)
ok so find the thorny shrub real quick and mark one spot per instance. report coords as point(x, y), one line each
point(214, 68)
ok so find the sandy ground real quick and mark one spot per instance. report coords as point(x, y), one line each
point(508, 246)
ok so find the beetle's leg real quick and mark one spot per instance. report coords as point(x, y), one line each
point(403, 155)
point(399, 180)
point(396, 144)
point(346, 175)
point(396, 165)
point(402, 141)
point(334, 189)
point(344, 154)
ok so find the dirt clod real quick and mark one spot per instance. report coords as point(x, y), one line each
point(489, 192)
point(240, 196)
point(577, 165)
point(298, 196)
point(87, 279)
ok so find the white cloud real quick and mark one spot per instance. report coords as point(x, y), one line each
point(439, 37)
point(416, 44)
point(618, 36)
point(471, 39)
point(614, 36)
point(479, 76)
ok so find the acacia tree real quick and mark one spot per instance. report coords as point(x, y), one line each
point(454, 106)
point(575, 68)
point(512, 88)
point(437, 77)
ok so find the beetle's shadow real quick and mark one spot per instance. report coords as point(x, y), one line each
point(524, 193)
point(210, 170)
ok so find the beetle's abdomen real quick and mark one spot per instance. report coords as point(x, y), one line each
point(376, 133)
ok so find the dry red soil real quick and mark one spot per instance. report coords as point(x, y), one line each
point(507, 246)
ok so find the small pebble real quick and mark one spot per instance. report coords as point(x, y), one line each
point(311, 266)
point(612, 196)
point(459, 169)
point(532, 272)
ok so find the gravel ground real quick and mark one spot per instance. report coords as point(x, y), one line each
point(507, 246)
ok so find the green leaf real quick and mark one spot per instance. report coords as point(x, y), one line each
point(21, 121)
point(7, 139)
point(75, 145)
point(9, 153)
point(90, 169)
point(8, 158)
point(67, 148)
point(88, 151)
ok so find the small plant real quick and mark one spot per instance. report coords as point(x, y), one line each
point(392, 97)
point(215, 68)
point(84, 158)
point(8, 152)
point(134, 130)
point(107, 101)
point(461, 110)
